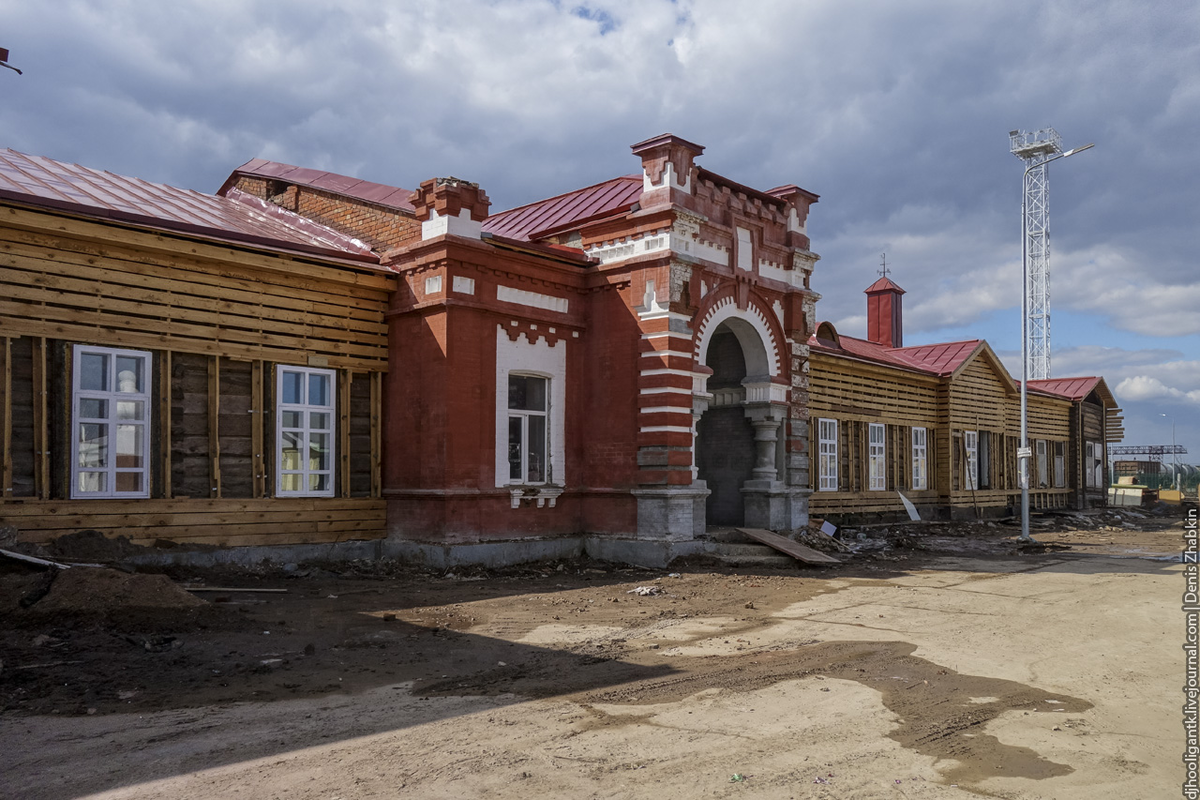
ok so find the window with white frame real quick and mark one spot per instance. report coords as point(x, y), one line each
point(920, 460)
point(304, 432)
point(110, 430)
point(876, 457)
point(1097, 465)
point(1043, 467)
point(1089, 475)
point(1060, 465)
point(971, 445)
point(528, 408)
point(827, 462)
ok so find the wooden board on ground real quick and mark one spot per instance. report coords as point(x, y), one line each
point(787, 546)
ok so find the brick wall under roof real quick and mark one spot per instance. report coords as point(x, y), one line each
point(380, 227)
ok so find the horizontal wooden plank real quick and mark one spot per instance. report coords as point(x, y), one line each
point(158, 505)
point(116, 337)
point(41, 285)
point(107, 233)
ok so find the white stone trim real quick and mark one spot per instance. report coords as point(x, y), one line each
point(777, 273)
point(793, 221)
point(684, 373)
point(745, 249)
point(433, 284)
point(666, 410)
point(669, 178)
point(653, 353)
point(545, 360)
point(726, 309)
point(462, 225)
point(663, 242)
point(778, 307)
point(463, 285)
point(666, 390)
point(549, 302)
point(660, 334)
point(766, 393)
point(666, 429)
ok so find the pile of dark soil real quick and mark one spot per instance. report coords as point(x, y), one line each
point(93, 590)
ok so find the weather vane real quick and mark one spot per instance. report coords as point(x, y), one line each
point(883, 263)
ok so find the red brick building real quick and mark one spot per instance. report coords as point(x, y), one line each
point(623, 365)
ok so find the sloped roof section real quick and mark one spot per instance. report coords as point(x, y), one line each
point(1074, 388)
point(378, 193)
point(936, 359)
point(529, 222)
point(884, 284)
point(41, 181)
point(941, 359)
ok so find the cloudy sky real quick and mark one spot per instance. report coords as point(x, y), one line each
point(896, 113)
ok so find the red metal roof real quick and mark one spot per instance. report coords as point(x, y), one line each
point(882, 285)
point(54, 184)
point(937, 359)
point(533, 221)
point(378, 193)
point(1074, 388)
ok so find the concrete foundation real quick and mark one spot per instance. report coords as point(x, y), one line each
point(672, 513)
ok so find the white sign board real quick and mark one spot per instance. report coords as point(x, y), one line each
point(1024, 452)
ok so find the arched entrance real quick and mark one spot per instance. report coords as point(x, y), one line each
point(736, 436)
point(724, 437)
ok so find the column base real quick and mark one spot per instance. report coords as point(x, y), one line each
point(671, 514)
point(774, 505)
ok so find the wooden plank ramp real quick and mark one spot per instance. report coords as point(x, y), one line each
point(788, 547)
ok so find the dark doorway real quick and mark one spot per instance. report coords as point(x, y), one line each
point(724, 437)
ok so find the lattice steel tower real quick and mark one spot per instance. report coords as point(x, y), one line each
point(1035, 149)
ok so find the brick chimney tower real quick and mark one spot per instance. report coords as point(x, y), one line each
point(450, 205)
point(885, 317)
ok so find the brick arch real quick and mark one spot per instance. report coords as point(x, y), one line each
point(753, 328)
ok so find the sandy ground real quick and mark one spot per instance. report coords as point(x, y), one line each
point(957, 667)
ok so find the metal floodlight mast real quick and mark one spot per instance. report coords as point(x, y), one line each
point(1037, 150)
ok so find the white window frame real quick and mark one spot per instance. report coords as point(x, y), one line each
point(920, 459)
point(524, 416)
point(1089, 457)
point(542, 359)
point(306, 429)
point(1060, 465)
point(971, 446)
point(114, 434)
point(827, 455)
point(1097, 465)
point(876, 457)
point(1042, 452)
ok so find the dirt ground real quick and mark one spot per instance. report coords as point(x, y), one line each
point(937, 661)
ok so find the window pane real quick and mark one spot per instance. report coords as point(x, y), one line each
point(129, 376)
point(318, 390)
point(526, 393)
point(90, 408)
point(318, 451)
point(318, 420)
point(289, 450)
point(93, 372)
point(536, 457)
point(318, 483)
point(291, 419)
point(515, 429)
point(289, 483)
point(128, 482)
point(92, 482)
point(129, 409)
point(131, 446)
point(292, 383)
point(93, 445)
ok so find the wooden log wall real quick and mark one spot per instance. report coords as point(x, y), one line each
point(979, 399)
point(216, 319)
